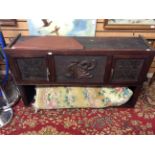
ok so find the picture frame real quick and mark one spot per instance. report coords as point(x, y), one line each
point(8, 22)
point(129, 24)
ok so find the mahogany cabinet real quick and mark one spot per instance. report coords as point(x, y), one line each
point(79, 61)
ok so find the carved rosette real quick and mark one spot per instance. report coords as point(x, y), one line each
point(80, 69)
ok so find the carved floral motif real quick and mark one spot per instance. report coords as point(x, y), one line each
point(81, 69)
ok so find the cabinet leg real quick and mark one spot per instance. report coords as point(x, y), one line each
point(131, 103)
point(23, 95)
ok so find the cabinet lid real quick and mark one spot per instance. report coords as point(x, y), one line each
point(113, 43)
point(47, 42)
point(72, 43)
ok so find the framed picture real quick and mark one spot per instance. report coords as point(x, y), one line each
point(8, 22)
point(129, 24)
point(62, 27)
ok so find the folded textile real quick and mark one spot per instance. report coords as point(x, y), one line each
point(80, 97)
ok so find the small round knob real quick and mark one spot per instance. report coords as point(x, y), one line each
point(50, 53)
point(148, 49)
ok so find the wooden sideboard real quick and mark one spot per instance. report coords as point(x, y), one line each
point(80, 61)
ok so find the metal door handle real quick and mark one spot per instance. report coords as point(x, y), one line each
point(112, 71)
point(48, 74)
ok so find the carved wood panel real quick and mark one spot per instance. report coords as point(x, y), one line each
point(32, 68)
point(127, 70)
point(80, 68)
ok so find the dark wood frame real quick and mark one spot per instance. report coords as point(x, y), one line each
point(8, 22)
point(127, 26)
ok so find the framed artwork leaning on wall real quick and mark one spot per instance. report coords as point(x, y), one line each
point(129, 24)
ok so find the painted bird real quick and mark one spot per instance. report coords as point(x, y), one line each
point(46, 23)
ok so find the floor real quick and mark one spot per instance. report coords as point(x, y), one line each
point(138, 120)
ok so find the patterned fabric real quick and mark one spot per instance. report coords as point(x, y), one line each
point(80, 97)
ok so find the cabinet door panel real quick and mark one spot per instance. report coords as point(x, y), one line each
point(127, 69)
point(86, 69)
point(32, 69)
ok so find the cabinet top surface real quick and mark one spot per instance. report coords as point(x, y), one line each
point(66, 43)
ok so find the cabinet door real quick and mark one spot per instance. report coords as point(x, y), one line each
point(32, 69)
point(128, 69)
point(80, 69)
